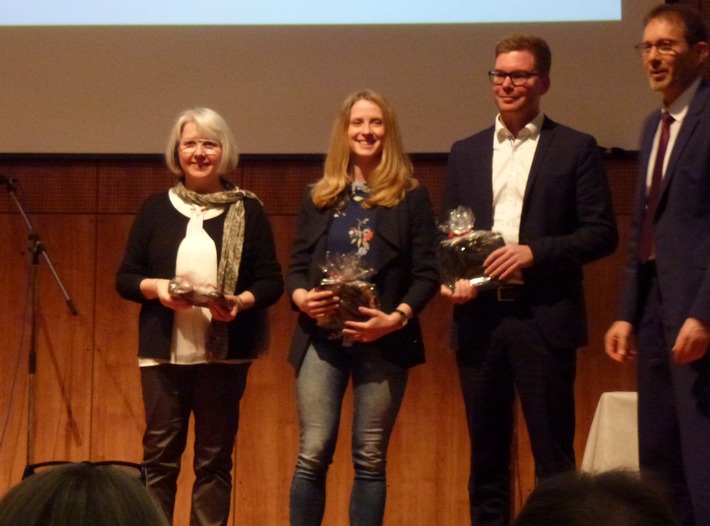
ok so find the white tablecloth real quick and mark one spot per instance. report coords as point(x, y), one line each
point(613, 437)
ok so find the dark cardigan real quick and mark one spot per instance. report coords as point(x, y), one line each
point(151, 252)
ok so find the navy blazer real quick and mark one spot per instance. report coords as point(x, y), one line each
point(405, 270)
point(567, 220)
point(682, 221)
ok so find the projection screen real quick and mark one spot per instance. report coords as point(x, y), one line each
point(96, 77)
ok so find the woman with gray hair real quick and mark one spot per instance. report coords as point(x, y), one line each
point(200, 260)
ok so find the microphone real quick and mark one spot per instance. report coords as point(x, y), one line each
point(7, 181)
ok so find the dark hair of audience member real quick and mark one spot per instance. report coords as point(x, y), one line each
point(80, 494)
point(614, 498)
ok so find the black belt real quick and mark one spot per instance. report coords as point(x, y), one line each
point(510, 293)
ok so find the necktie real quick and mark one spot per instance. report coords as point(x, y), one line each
point(646, 248)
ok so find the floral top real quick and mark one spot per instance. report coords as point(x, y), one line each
point(353, 227)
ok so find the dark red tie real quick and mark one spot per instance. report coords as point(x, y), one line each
point(646, 248)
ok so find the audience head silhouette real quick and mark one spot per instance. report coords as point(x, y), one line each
point(81, 494)
point(614, 498)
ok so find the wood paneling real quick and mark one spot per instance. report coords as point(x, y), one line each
point(87, 391)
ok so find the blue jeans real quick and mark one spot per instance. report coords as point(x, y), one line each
point(378, 390)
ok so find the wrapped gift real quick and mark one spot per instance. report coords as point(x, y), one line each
point(347, 276)
point(462, 253)
point(198, 294)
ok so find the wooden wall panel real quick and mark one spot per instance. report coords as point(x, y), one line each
point(43, 187)
point(124, 186)
point(284, 197)
point(429, 457)
point(118, 418)
point(88, 384)
point(14, 339)
point(60, 398)
point(267, 442)
point(65, 350)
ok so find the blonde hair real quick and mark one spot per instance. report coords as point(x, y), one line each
point(210, 125)
point(393, 175)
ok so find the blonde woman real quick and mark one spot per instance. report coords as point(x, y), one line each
point(366, 202)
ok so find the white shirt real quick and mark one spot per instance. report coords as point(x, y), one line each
point(512, 159)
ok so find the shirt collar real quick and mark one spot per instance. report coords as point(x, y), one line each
point(530, 131)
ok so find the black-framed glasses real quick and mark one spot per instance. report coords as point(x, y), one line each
point(131, 469)
point(664, 47)
point(517, 78)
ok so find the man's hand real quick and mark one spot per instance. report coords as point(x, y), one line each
point(506, 261)
point(692, 341)
point(462, 293)
point(619, 342)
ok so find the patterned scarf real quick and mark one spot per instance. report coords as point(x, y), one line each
point(231, 256)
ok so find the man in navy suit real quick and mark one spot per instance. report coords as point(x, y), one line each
point(665, 303)
point(543, 187)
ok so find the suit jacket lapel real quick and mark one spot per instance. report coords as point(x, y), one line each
point(697, 104)
point(316, 237)
point(688, 126)
point(387, 228)
point(543, 147)
point(480, 191)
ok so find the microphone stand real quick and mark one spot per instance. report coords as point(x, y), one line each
point(37, 249)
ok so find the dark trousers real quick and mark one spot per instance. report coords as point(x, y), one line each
point(673, 412)
point(212, 393)
point(517, 358)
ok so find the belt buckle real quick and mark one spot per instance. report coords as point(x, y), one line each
point(502, 296)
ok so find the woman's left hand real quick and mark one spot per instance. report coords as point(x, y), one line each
point(221, 312)
point(376, 327)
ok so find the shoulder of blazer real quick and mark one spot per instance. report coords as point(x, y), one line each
point(555, 137)
point(551, 128)
point(480, 140)
point(391, 222)
point(317, 221)
point(693, 132)
point(701, 100)
point(416, 195)
point(699, 108)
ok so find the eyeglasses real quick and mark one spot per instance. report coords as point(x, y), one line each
point(131, 469)
point(664, 47)
point(208, 146)
point(517, 78)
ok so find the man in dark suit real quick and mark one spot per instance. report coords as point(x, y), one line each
point(543, 187)
point(665, 301)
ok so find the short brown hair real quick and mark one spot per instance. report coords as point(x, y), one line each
point(537, 47)
point(693, 24)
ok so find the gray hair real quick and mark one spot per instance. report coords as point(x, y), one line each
point(211, 126)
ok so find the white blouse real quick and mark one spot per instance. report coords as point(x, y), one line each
point(196, 259)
